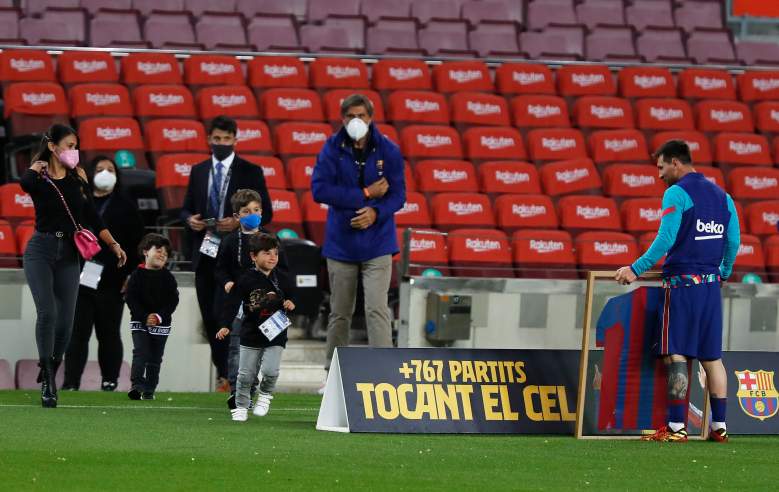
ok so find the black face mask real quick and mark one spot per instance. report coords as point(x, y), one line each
point(221, 152)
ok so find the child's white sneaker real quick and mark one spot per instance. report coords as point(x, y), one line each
point(262, 406)
point(240, 414)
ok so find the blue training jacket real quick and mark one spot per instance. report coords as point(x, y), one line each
point(336, 182)
point(699, 231)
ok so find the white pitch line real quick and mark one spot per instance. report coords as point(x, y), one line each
point(149, 407)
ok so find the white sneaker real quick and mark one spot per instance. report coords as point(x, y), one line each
point(262, 406)
point(240, 414)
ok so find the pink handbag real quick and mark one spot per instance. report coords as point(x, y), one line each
point(86, 242)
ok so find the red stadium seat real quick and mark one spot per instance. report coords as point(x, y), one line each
point(522, 78)
point(78, 67)
point(314, 217)
point(476, 108)
point(430, 142)
point(333, 99)
point(571, 176)
point(763, 217)
point(391, 75)
point(163, 101)
point(286, 212)
point(602, 112)
point(272, 169)
point(767, 117)
point(26, 66)
point(696, 83)
point(294, 138)
point(515, 177)
point(462, 76)
point(174, 135)
point(150, 68)
point(771, 250)
point(266, 72)
point(31, 107)
point(15, 204)
point(427, 249)
point(754, 183)
point(408, 175)
point(24, 232)
point(291, 105)
point(236, 101)
point(108, 135)
point(87, 100)
point(587, 212)
point(337, 73)
point(632, 180)
point(742, 149)
point(490, 143)
point(713, 174)
point(202, 70)
point(664, 114)
point(750, 258)
point(415, 212)
point(540, 111)
point(389, 131)
point(641, 214)
point(758, 86)
point(515, 212)
point(299, 172)
point(453, 210)
point(417, 107)
point(555, 144)
point(723, 116)
point(172, 177)
point(542, 253)
point(605, 250)
point(636, 82)
point(480, 253)
point(618, 146)
point(445, 175)
point(698, 143)
point(253, 137)
point(8, 251)
point(585, 80)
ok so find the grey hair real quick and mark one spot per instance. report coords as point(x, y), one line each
point(356, 100)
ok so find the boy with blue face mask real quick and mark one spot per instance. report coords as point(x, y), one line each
point(232, 261)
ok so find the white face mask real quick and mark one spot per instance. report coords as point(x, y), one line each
point(357, 128)
point(105, 180)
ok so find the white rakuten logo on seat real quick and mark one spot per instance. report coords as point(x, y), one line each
point(153, 68)
point(432, 141)
point(294, 104)
point(590, 213)
point(649, 81)
point(419, 106)
point(650, 214)
point(543, 110)
point(38, 98)
point(588, 79)
point(637, 180)
point(528, 78)
point(482, 245)
point(666, 114)
point(482, 109)
point(449, 176)
point(165, 100)
point(620, 145)
point(606, 112)
point(712, 229)
point(527, 211)
point(179, 134)
point(228, 101)
point(610, 249)
point(268, 171)
point(279, 71)
point(403, 74)
point(694, 146)
point(571, 175)
point(463, 76)
point(21, 65)
point(745, 250)
point(726, 116)
point(422, 244)
point(248, 134)
point(114, 133)
point(760, 183)
point(765, 85)
point(214, 69)
point(543, 247)
point(308, 138)
point(709, 84)
point(182, 169)
point(342, 72)
point(745, 148)
point(102, 99)
point(770, 218)
point(25, 201)
point(463, 208)
point(558, 144)
point(509, 177)
point(497, 143)
point(90, 66)
point(408, 208)
point(281, 205)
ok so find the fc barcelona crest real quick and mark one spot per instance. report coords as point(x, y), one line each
point(757, 394)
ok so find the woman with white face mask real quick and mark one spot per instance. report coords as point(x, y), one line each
point(102, 307)
point(63, 205)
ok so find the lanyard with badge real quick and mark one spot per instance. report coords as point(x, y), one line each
point(278, 322)
point(92, 271)
point(211, 241)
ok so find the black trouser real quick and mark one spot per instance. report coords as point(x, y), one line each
point(147, 359)
point(205, 285)
point(101, 308)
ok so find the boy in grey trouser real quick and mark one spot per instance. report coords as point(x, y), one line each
point(252, 362)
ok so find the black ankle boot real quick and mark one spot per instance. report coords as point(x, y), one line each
point(48, 399)
point(55, 365)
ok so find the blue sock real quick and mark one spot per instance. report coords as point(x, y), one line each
point(719, 407)
point(677, 410)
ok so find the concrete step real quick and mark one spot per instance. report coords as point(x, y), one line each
point(305, 352)
point(300, 377)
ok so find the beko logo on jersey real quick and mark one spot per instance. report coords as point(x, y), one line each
point(712, 228)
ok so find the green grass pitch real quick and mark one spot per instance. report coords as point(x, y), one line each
point(185, 441)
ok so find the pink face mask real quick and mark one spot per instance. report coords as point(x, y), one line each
point(69, 158)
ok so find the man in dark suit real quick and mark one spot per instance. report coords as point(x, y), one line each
point(208, 214)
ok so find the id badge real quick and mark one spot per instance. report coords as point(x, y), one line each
point(274, 325)
point(210, 245)
point(90, 274)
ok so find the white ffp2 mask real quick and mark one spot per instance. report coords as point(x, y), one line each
point(105, 180)
point(357, 128)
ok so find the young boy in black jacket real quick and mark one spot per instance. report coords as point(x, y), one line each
point(152, 296)
point(262, 292)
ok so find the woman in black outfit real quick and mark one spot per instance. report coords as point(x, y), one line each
point(103, 307)
point(51, 260)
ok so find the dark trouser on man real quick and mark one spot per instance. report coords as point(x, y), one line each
point(205, 285)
